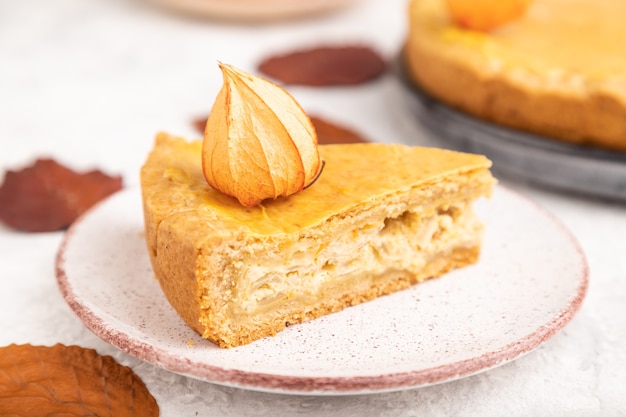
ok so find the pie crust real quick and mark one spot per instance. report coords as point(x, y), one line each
point(559, 71)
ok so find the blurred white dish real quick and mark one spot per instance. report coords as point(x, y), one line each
point(254, 10)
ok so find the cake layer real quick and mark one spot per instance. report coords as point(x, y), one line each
point(558, 71)
point(379, 218)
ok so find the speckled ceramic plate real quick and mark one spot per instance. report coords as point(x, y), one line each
point(529, 283)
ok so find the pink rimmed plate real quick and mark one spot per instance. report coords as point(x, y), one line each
point(529, 283)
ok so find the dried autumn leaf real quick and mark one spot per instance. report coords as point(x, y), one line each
point(485, 15)
point(48, 196)
point(327, 132)
point(69, 381)
point(199, 123)
point(258, 142)
point(325, 66)
point(332, 133)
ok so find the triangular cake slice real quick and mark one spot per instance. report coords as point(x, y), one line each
point(379, 219)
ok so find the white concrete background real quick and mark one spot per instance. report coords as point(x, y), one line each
point(90, 82)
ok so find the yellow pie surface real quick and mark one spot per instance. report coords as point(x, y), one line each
point(558, 71)
point(379, 218)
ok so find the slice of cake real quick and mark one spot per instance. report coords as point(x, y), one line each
point(379, 219)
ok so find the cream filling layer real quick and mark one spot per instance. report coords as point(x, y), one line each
point(303, 269)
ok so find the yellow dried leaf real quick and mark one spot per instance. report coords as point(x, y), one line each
point(258, 142)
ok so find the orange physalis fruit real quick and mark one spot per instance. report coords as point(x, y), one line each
point(485, 15)
point(258, 142)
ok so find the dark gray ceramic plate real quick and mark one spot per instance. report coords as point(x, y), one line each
point(522, 155)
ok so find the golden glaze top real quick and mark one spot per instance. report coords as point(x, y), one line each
point(172, 183)
point(557, 37)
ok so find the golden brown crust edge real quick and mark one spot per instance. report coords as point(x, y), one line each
point(177, 278)
point(593, 118)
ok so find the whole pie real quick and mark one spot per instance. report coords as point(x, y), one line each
point(558, 71)
point(379, 219)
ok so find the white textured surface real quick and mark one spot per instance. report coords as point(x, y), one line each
point(89, 82)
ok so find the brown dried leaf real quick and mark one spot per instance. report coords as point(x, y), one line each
point(325, 66)
point(327, 132)
point(332, 133)
point(199, 123)
point(48, 196)
point(69, 381)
